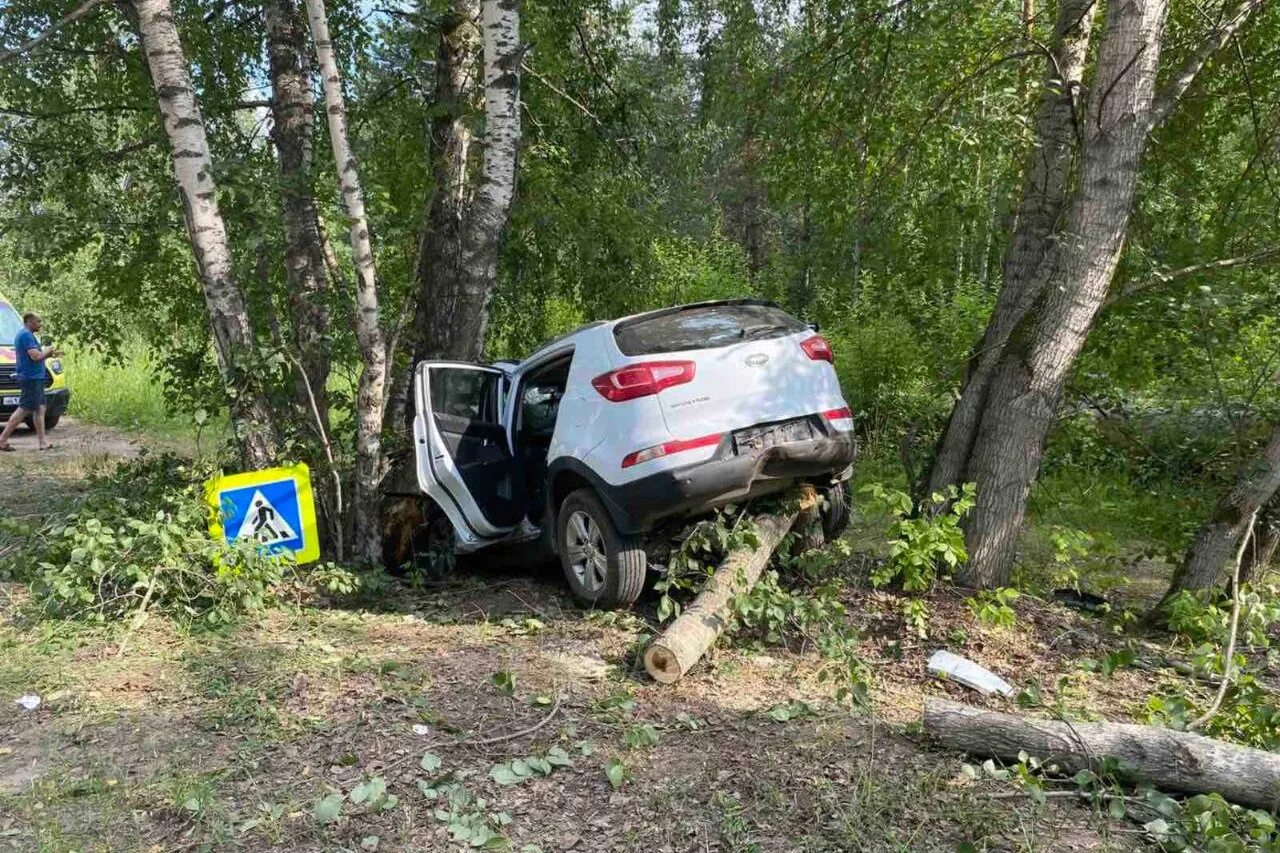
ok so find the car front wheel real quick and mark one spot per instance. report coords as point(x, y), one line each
point(603, 567)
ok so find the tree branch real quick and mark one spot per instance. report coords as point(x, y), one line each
point(1262, 256)
point(1167, 99)
point(76, 14)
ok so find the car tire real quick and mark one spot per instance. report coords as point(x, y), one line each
point(603, 567)
point(51, 422)
point(835, 511)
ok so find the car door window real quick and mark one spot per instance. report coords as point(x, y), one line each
point(467, 394)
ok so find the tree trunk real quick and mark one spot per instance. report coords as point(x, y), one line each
point(251, 410)
point(490, 210)
point(1220, 537)
point(432, 334)
point(1070, 284)
point(457, 267)
point(366, 540)
point(292, 108)
point(1266, 541)
point(674, 652)
point(1044, 190)
point(1168, 759)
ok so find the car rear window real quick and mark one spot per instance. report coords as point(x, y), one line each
point(704, 327)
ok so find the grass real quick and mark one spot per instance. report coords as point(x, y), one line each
point(129, 394)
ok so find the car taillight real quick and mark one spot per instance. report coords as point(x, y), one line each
point(818, 349)
point(643, 379)
point(840, 419)
point(668, 448)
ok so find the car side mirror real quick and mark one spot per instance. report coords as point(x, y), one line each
point(813, 327)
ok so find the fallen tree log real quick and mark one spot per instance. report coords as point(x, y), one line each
point(674, 652)
point(1168, 759)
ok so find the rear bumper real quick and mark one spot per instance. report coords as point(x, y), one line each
point(726, 478)
point(55, 403)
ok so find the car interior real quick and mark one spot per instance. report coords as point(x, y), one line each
point(539, 406)
point(464, 404)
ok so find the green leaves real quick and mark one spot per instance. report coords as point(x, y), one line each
point(372, 793)
point(523, 769)
point(788, 711)
point(328, 807)
point(504, 682)
point(616, 772)
point(430, 762)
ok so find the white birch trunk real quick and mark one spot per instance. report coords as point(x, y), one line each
point(368, 330)
point(251, 411)
point(491, 208)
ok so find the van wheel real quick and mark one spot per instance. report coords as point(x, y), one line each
point(602, 566)
point(835, 511)
point(51, 422)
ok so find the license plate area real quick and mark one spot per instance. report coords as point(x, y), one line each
point(755, 439)
point(10, 401)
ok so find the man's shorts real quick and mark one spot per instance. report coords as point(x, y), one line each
point(32, 394)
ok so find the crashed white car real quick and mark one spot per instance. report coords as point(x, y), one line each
point(590, 443)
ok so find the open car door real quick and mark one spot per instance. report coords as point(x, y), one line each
point(463, 451)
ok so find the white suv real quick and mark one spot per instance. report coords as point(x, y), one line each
point(601, 434)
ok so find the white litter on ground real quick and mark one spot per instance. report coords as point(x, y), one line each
point(944, 664)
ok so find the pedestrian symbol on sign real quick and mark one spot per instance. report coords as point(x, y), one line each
point(273, 509)
point(263, 524)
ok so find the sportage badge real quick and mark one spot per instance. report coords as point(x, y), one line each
point(757, 359)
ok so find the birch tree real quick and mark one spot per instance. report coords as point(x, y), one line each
point(292, 112)
point(251, 410)
point(368, 330)
point(432, 333)
point(468, 214)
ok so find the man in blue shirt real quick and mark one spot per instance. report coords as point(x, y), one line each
point(31, 379)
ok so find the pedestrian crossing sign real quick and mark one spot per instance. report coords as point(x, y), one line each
point(273, 508)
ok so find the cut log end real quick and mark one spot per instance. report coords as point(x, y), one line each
point(662, 665)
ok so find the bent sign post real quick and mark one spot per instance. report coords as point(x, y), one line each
point(273, 508)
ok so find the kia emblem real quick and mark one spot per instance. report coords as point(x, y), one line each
point(757, 359)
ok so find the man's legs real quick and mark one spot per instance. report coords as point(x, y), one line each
point(39, 419)
point(19, 414)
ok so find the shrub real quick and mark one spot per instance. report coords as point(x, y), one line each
point(140, 536)
point(919, 543)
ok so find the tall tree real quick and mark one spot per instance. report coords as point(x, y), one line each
point(1044, 188)
point(251, 409)
point(292, 112)
point(466, 218)
point(1231, 520)
point(1038, 345)
point(431, 335)
point(370, 399)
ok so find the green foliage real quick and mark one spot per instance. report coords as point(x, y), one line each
point(701, 548)
point(142, 534)
point(519, 770)
point(617, 772)
point(504, 682)
point(920, 544)
point(994, 606)
point(1205, 616)
point(1250, 711)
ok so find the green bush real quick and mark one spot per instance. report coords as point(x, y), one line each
point(142, 535)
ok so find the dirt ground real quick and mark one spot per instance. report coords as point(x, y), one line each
point(321, 727)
